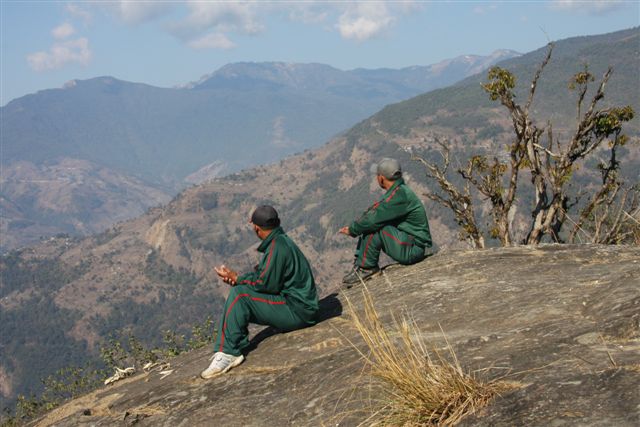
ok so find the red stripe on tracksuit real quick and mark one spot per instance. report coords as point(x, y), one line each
point(248, 282)
point(224, 327)
point(364, 255)
point(396, 239)
point(266, 267)
point(376, 204)
point(393, 193)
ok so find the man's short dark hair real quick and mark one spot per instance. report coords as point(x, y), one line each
point(266, 217)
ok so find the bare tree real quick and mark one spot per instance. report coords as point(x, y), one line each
point(611, 213)
point(552, 165)
point(487, 178)
point(460, 202)
point(612, 216)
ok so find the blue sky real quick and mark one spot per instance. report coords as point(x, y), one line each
point(47, 43)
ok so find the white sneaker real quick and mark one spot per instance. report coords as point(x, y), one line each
point(220, 364)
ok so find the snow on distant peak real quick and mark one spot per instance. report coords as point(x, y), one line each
point(70, 84)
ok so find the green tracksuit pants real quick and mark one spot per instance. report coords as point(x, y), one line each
point(243, 306)
point(396, 243)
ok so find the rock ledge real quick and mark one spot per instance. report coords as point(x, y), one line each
point(561, 320)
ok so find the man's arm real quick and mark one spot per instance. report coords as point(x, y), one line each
point(388, 209)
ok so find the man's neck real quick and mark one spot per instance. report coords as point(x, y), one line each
point(263, 234)
point(388, 184)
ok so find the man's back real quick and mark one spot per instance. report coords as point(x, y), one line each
point(299, 284)
point(415, 220)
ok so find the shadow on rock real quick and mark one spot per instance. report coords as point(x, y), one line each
point(330, 306)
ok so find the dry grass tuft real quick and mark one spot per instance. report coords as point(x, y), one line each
point(420, 387)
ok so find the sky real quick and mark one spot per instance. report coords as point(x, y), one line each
point(45, 44)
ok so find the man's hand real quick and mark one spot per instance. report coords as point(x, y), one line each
point(345, 230)
point(227, 275)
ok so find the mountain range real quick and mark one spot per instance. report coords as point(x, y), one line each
point(153, 141)
point(60, 299)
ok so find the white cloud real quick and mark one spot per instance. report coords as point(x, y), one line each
point(205, 24)
point(483, 9)
point(595, 7)
point(61, 54)
point(225, 17)
point(208, 24)
point(211, 41)
point(362, 21)
point(136, 12)
point(308, 13)
point(79, 13)
point(63, 31)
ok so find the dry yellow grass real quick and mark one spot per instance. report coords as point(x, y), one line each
point(420, 386)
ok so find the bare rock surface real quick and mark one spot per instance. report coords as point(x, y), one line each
point(560, 321)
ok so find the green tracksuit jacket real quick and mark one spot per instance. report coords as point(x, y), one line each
point(400, 208)
point(284, 270)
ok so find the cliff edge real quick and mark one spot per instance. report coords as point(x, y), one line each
point(563, 322)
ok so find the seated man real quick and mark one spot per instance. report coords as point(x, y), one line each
point(396, 224)
point(280, 292)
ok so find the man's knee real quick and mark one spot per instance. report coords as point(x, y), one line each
point(237, 291)
point(389, 228)
point(375, 239)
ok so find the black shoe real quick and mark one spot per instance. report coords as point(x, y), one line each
point(359, 274)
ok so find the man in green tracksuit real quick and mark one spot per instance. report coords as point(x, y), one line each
point(396, 224)
point(280, 292)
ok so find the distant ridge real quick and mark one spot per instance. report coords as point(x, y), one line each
point(167, 138)
point(320, 77)
point(135, 127)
